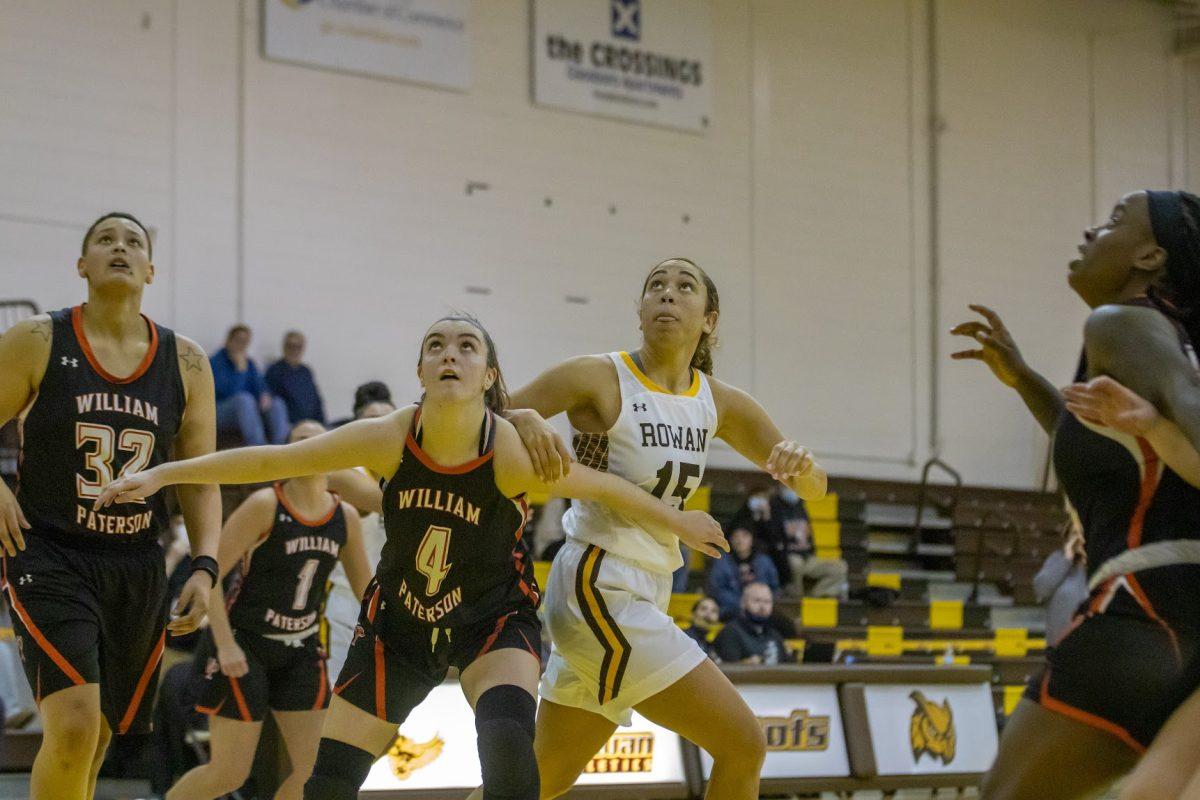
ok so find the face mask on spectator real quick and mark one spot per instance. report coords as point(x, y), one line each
point(788, 496)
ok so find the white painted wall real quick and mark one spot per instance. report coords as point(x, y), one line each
point(296, 197)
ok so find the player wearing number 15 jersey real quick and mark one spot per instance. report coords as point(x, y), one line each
point(100, 391)
point(650, 417)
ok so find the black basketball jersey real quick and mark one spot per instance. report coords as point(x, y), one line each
point(285, 579)
point(87, 427)
point(1123, 492)
point(455, 552)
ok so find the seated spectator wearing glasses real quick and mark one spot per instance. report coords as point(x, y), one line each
point(729, 575)
point(292, 380)
point(749, 638)
point(781, 527)
point(244, 405)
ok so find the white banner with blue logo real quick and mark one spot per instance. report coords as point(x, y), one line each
point(646, 61)
point(425, 41)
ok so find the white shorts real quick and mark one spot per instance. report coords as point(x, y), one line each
point(612, 642)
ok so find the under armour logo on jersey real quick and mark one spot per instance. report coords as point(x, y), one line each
point(24, 579)
point(70, 362)
point(639, 406)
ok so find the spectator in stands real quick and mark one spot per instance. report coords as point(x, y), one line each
point(705, 614)
point(729, 575)
point(1061, 583)
point(244, 405)
point(780, 523)
point(367, 394)
point(291, 379)
point(749, 638)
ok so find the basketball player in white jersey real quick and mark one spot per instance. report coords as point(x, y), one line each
point(649, 417)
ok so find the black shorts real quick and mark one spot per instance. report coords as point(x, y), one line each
point(90, 615)
point(394, 663)
point(282, 676)
point(1126, 663)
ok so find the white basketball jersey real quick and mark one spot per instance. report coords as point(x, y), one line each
point(659, 442)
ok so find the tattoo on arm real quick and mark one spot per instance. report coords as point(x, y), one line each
point(190, 358)
point(43, 329)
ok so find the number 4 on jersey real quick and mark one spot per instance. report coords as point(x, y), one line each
point(676, 487)
point(432, 557)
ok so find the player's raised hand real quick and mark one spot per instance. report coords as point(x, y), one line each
point(997, 348)
point(1105, 401)
point(128, 488)
point(12, 521)
point(192, 606)
point(232, 661)
point(789, 460)
point(549, 453)
point(701, 532)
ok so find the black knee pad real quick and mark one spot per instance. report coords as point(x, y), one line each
point(504, 721)
point(339, 771)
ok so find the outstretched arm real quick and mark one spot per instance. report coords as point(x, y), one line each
point(999, 351)
point(1103, 401)
point(374, 443)
point(750, 430)
point(515, 475)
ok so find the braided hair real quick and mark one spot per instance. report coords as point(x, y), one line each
point(1175, 220)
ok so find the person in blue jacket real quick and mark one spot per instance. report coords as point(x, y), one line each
point(743, 566)
point(244, 404)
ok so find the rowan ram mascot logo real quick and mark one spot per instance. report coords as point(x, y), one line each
point(407, 756)
point(932, 729)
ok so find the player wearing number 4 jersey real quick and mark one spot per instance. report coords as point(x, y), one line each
point(284, 541)
point(101, 390)
point(650, 417)
point(454, 585)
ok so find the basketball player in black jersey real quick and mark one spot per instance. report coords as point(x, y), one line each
point(286, 540)
point(455, 584)
point(101, 391)
point(1113, 680)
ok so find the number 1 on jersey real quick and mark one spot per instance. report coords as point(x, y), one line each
point(307, 572)
point(432, 557)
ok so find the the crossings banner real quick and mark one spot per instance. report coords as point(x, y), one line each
point(425, 41)
point(647, 61)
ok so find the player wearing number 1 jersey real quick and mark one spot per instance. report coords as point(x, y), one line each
point(100, 390)
point(650, 417)
point(282, 543)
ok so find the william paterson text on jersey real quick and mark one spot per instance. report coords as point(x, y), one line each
point(113, 523)
point(433, 613)
point(438, 500)
point(691, 440)
point(122, 404)
point(319, 543)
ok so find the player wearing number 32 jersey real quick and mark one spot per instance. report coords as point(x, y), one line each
point(101, 391)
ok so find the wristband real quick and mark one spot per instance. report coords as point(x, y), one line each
point(206, 564)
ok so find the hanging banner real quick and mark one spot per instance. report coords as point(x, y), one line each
point(646, 61)
point(424, 41)
point(930, 729)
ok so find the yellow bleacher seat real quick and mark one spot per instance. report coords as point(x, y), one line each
point(680, 606)
point(700, 500)
point(831, 553)
point(819, 612)
point(946, 615)
point(1012, 642)
point(885, 640)
point(826, 533)
point(824, 509)
point(886, 580)
point(1012, 696)
point(541, 572)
